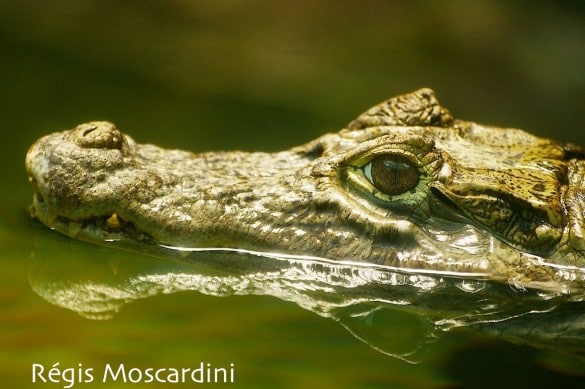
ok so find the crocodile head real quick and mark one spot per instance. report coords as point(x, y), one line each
point(404, 186)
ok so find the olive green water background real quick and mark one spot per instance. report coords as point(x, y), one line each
point(261, 75)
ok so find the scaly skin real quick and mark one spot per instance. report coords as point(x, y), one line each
point(456, 197)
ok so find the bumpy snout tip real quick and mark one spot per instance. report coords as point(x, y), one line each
point(97, 135)
point(59, 164)
point(37, 165)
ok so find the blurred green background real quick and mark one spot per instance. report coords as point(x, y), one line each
point(262, 75)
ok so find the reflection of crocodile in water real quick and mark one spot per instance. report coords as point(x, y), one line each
point(404, 187)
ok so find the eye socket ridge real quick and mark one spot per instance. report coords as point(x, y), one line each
point(392, 174)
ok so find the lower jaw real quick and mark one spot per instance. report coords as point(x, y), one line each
point(98, 229)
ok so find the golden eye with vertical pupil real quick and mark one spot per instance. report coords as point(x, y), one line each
point(392, 174)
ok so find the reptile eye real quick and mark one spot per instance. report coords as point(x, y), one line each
point(392, 174)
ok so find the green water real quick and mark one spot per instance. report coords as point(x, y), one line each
point(265, 76)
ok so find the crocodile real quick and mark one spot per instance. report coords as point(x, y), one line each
point(405, 209)
point(404, 185)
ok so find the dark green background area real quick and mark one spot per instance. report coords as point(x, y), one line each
point(262, 75)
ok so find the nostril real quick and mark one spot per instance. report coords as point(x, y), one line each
point(88, 131)
point(98, 135)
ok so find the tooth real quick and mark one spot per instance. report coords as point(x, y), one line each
point(74, 228)
point(51, 217)
point(113, 222)
point(32, 210)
